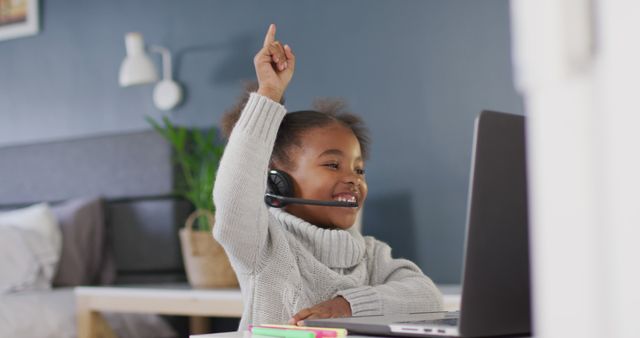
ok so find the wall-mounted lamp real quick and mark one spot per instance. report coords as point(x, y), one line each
point(137, 68)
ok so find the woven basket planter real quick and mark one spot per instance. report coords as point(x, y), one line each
point(206, 262)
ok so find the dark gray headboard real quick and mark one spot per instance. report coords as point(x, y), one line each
point(132, 171)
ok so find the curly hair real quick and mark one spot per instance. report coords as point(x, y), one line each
point(325, 111)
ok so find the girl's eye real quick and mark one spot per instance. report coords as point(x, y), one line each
point(360, 171)
point(332, 165)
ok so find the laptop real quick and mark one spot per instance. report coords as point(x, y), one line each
point(495, 296)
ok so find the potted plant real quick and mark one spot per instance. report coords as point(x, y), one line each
point(197, 153)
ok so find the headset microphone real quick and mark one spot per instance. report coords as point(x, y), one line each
point(281, 201)
point(280, 188)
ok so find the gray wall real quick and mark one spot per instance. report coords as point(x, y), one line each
point(417, 71)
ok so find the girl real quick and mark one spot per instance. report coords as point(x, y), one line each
point(304, 261)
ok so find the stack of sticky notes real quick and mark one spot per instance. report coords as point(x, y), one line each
point(291, 331)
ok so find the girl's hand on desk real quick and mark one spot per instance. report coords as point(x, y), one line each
point(333, 308)
point(274, 65)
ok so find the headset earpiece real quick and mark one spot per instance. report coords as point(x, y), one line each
point(279, 183)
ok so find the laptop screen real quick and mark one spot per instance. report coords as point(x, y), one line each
point(495, 293)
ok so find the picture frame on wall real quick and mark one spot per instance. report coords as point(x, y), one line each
point(18, 18)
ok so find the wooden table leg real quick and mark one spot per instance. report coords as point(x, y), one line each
point(199, 325)
point(86, 319)
point(90, 323)
point(103, 328)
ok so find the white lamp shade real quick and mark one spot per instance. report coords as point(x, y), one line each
point(137, 67)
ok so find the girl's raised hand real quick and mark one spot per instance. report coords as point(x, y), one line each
point(274, 65)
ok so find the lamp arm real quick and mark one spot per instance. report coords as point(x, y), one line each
point(166, 61)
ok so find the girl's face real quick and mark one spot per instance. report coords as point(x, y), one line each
point(328, 166)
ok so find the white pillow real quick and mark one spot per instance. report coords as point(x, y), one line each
point(30, 246)
point(19, 268)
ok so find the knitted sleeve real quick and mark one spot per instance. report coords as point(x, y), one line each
point(242, 217)
point(397, 286)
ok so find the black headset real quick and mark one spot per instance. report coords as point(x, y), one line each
point(280, 193)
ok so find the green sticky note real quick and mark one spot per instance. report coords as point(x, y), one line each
point(263, 331)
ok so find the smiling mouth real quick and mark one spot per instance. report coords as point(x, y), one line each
point(345, 197)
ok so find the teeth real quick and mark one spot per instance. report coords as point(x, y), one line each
point(351, 199)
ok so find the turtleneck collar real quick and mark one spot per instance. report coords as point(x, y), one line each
point(335, 248)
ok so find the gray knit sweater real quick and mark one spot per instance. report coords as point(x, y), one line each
point(285, 264)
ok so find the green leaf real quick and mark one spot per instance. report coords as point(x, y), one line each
point(197, 154)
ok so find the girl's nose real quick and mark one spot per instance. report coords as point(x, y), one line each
point(353, 178)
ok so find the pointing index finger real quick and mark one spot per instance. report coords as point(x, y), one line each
point(271, 35)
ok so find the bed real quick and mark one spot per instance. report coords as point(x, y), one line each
point(86, 211)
